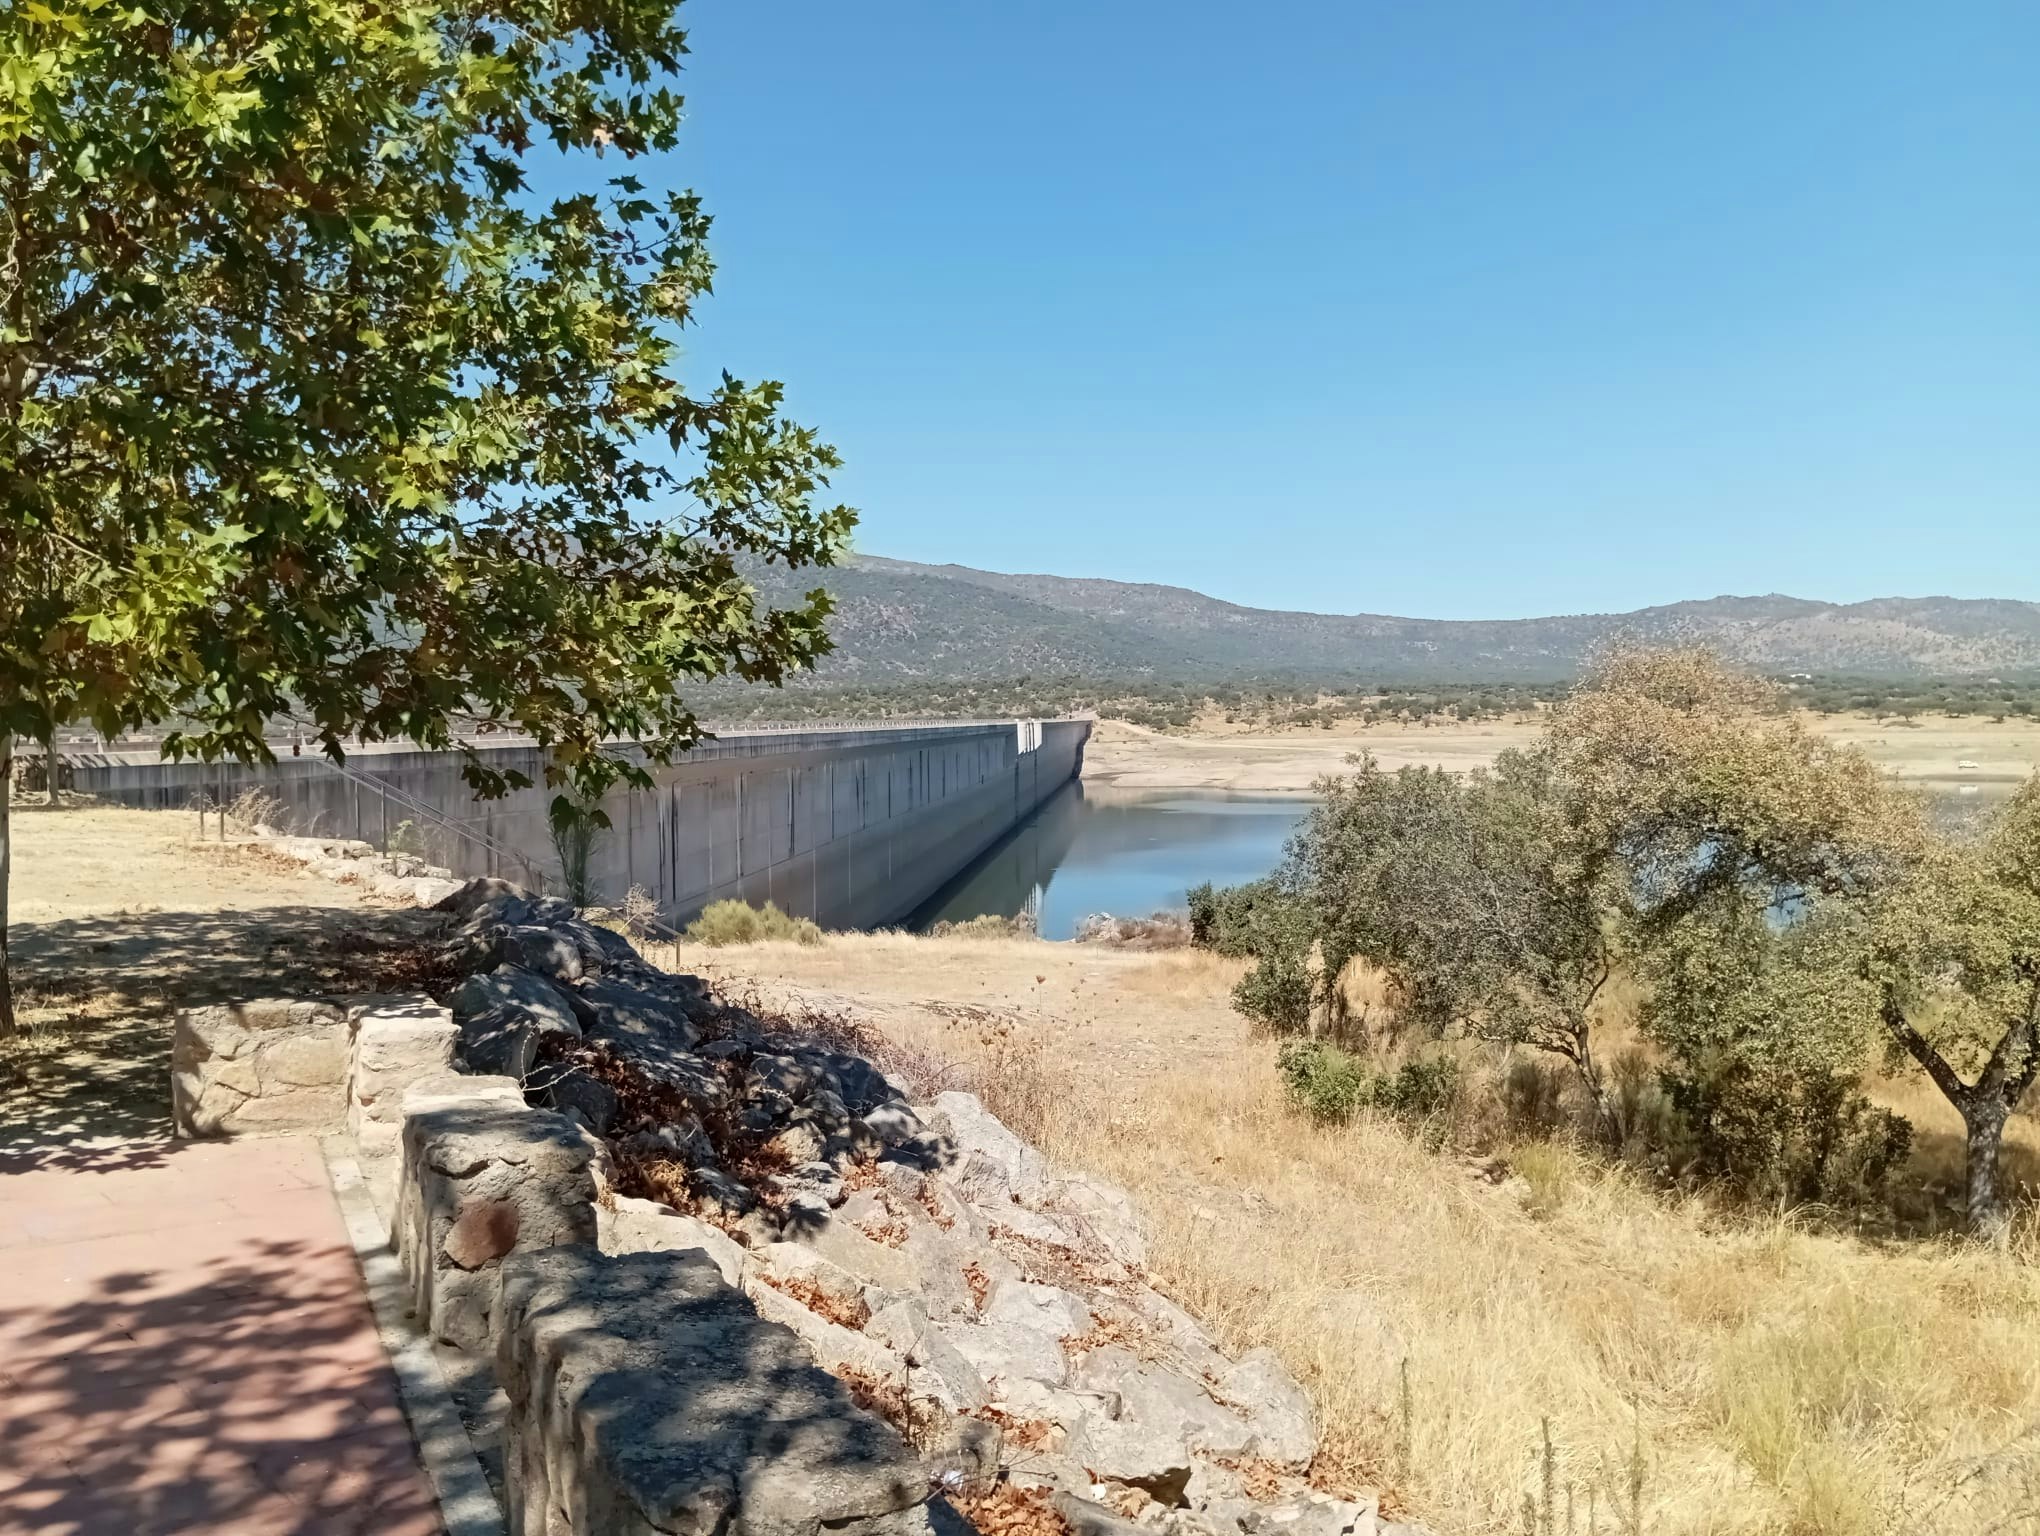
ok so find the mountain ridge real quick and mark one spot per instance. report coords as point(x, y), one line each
point(905, 620)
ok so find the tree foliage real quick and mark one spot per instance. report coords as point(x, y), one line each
point(1781, 906)
point(1953, 955)
point(1466, 894)
point(312, 405)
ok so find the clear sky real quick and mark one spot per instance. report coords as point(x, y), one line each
point(1445, 309)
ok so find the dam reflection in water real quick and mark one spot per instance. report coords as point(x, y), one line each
point(1125, 852)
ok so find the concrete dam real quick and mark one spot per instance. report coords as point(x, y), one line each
point(853, 826)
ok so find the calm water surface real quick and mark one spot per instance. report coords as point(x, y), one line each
point(1126, 854)
point(1132, 854)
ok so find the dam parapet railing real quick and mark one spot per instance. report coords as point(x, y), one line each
point(851, 823)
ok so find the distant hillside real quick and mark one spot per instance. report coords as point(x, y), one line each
point(899, 621)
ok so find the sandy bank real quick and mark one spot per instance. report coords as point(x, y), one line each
point(1131, 757)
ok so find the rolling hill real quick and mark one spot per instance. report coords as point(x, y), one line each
point(899, 621)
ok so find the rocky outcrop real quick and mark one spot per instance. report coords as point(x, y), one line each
point(991, 1304)
point(271, 1066)
point(392, 876)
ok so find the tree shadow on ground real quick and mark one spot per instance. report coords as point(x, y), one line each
point(97, 998)
point(243, 1393)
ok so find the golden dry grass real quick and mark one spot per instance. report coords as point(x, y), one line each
point(1781, 1377)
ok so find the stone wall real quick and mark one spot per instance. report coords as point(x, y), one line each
point(274, 1066)
point(760, 1186)
point(730, 1278)
point(291, 1066)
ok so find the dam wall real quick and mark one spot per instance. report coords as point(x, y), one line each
point(853, 826)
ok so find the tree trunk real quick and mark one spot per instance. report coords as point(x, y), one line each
point(49, 758)
point(7, 1025)
point(1983, 1122)
point(1984, 1105)
point(1590, 1078)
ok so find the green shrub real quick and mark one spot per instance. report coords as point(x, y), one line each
point(1222, 916)
point(986, 925)
point(1796, 1135)
point(737, 922)
point(1326, 1082)
point(1421, 1087)
point(1331, 1084)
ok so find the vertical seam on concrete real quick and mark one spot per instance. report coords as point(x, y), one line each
point(466, 1505)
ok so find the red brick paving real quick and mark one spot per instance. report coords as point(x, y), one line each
point(185, 1346)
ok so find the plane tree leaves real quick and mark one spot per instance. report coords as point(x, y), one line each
point(314, 406)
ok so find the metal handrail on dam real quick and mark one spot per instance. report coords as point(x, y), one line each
point(852, 823)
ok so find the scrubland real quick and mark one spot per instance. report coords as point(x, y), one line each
point(1753, 1371)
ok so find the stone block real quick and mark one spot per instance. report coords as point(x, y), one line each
point(393, 1042)
point(478, 1182)
point(1277, 1410)
point(507, 987)
point(271, 1066)
point(625, 1224)
point(1146, 1421)
point(602, 949)
point(834, 1347)
point(937, 1369)
point(647, 1396)
point(611, 1007)
point(503, 1014)
point(485, 894)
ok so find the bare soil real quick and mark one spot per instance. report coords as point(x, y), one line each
point(1264, 760)
point(118, 918)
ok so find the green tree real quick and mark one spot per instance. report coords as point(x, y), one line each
point(1953, 953)
point(1767, 1027)
point(1465, 893)
point(311, 407)
point(1791, 900)
point(1694, 781)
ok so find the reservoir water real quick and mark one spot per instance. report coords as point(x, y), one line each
point(1124, 852)
point(1132, 853)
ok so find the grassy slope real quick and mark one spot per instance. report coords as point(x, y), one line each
point(1782, 1377)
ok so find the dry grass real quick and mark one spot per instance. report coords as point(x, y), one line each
point(1781, 1377)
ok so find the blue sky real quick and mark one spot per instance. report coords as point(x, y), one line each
point(1444, 309)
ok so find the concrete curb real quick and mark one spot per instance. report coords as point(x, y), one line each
point(465, 1503)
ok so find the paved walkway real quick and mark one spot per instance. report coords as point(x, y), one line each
point(185, 1346)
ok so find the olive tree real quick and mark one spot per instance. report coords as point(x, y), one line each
point(311, 407)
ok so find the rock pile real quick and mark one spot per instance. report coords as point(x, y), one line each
point(993, 1307)
point(349, 861)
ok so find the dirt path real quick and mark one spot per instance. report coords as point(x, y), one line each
point(119, 917)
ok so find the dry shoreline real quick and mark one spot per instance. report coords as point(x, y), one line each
point(1267, 762)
